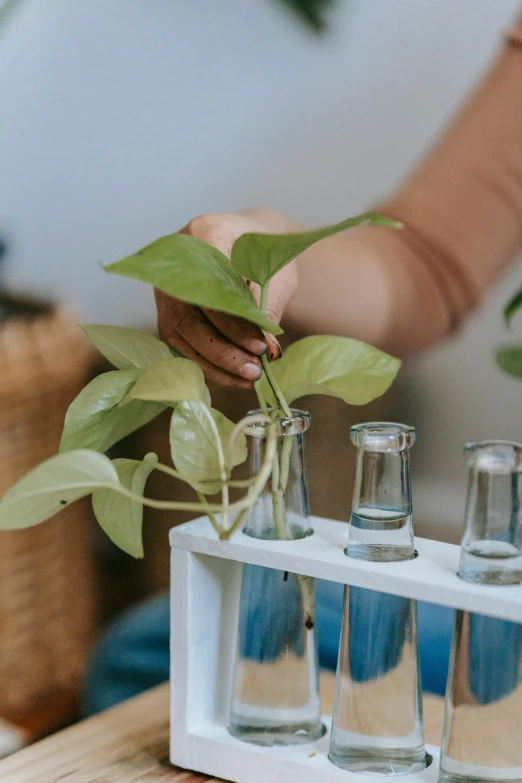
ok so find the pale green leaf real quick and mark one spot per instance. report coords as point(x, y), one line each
point(188, 269)
point(120, 517)
point(53, 485)
point(337, 366)
point(193, 444)
point(259, 256)
point(94, 420)
point(169, 381)
point(126, 348)
point(509, 358)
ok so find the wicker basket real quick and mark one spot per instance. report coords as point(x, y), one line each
point(47, 585)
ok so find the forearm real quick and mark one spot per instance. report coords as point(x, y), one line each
point(462, 211)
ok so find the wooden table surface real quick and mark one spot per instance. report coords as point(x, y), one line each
point(131, 743)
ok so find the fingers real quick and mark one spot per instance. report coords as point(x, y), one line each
point(238, 331)
point(221, 231)
point(213, 375)
point(183, 327)
point(273, 348)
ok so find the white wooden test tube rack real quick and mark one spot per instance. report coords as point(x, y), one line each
point(205, 590)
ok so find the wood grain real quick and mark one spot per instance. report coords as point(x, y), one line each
point(130, 743)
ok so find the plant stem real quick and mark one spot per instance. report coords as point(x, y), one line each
point(210, 514)
point(275, 387)
point(264, 296)
point(261, 398)
point(238, 521)
point(286, 451)
point(198, 486)
point(222, 466)
point(241, 505)
point(278, 503)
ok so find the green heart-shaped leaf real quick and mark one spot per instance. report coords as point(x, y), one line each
point(337, 366)
point(509, 358)
point(94, 420)
point(120, 517)
point(126, 348)
point(259, 256)
point(193, 444)
point(169, 381)
point(53, 485)
point(188, 269)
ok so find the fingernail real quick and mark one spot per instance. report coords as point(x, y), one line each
point(251, 372)
point(256, 346)
point(274, 349)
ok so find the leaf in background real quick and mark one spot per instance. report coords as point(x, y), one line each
point(193, 444)
point(120, 517)
point(188, 269)
point(126, 348)
point(315, 13)
point(509, 358)
point(169, 381)
point(94, 420)
point(54, 484)
point(259, 256)
point(514, 304)
point(336, 366)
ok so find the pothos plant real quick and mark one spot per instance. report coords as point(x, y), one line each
point(150, 377)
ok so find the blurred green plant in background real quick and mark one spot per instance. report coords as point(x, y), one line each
point(315, 13)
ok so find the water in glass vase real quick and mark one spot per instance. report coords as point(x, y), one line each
point(377, 727)
point(492, 541)
point(381, 527)
point(380, 535)
point(481, 738)
point(275, 699)
point(276, 691)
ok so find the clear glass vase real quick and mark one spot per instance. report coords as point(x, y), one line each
point(492, 542)
point(483, 711)
point(377, 725)
point(482, 734)
point(381, 527)
point(275, 699)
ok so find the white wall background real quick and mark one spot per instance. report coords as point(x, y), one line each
point(121, 119)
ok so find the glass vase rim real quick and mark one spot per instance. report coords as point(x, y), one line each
point(494, 455)
point(296, 424)
point(385, 436)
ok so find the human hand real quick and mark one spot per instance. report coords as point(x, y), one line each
point(226, 347)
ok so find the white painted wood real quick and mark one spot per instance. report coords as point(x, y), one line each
point(216, 753)
point(204, 605)
point(205, 582)
point(429, 577)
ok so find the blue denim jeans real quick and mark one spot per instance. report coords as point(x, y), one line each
point(133, 654)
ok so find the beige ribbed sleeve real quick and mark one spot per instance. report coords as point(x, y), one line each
point(462, 211)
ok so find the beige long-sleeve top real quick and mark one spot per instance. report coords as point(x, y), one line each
point(462, 212)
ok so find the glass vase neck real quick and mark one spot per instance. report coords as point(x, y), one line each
point(382, 436)
point(492, 541)
point(296, 424)
point(282, 511)
point(381, 527)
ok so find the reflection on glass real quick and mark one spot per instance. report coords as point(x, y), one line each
point(492, 542)
point(276, 686)
point(275, 698)
point(377, 722)
point(482, 738)
point(381, 527)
